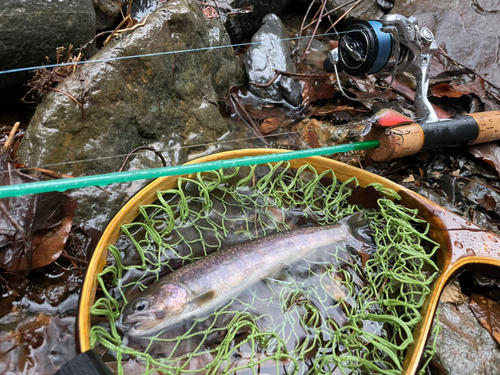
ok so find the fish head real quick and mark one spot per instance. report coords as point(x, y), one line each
point(154, 309)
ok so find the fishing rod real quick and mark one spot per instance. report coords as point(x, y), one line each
point(189, 168)
point(396, 43)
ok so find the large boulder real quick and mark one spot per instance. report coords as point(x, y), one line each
point(31, 30)
point(168, 102)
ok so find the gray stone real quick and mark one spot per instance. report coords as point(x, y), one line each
point(269, 53)
point(464, 346)
point(31, 30)
point(167, 102)
point(107, 12)
point(468, 30)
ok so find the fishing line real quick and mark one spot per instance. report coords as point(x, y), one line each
point(171, 149)
point(18, 70)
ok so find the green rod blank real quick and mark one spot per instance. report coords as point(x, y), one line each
point(117, 177)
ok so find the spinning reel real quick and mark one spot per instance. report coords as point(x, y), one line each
point(384, 47)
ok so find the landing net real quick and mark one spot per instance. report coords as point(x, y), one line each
point(353, 315)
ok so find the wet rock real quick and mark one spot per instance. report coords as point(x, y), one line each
point(465, 346)
point(141, 8)
point(366, 10)
point(241, 18)
point(468, 30)
point(314, 134)
point(31, 30)
point(240, 24)
point(321, 133)
point(107, 12)
point(269, 54)
point(55, 294)
point(167, 102)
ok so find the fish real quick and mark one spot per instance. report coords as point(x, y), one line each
point(202, 285)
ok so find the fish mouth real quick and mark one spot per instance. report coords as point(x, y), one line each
point(131, 322)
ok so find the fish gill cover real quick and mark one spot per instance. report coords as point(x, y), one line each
point(353, 314)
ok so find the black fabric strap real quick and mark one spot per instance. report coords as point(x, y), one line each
point(88, 363)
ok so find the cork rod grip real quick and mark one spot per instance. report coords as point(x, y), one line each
point(403, 140)
point(489, 126)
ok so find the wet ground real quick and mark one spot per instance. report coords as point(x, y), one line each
point(37, 335)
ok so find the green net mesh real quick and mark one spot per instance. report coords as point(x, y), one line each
point(353, 314)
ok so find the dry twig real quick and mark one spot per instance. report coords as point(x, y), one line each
point(11, 135)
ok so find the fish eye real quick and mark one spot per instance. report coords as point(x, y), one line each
point(141, 304)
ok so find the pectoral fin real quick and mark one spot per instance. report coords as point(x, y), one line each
point(204, 298)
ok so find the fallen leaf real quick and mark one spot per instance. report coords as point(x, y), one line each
point(409, 94)
point(489, 152)
point(367, 197)
point(453, 294)
point(368, 91)
point(365, 256)
point(450, 90)
point(487, 313)
point(488, 202)
point(21, 218)
point(50, 245)
point(270, 124)
point(335, 288)
point(314, 89)
point(476, 87)
point(6, 303)
point(410, 178)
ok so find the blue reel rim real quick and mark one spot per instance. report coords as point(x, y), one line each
point(384, 47)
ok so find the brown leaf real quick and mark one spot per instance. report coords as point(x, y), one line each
point(450, 90)
point(410, 178)
point(456, 91)
point(367, 197)
point(489, 152)
point(453, 294)
point(487, 313)
point(270, 124)
point(409, 94)
point(318, 88)
point(488, 202)
point(365, 256)
point(22, 217)
point(48, 246)
point(6, 303)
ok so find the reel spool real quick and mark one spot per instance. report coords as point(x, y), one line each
point(366, 49)
point(384, 47)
